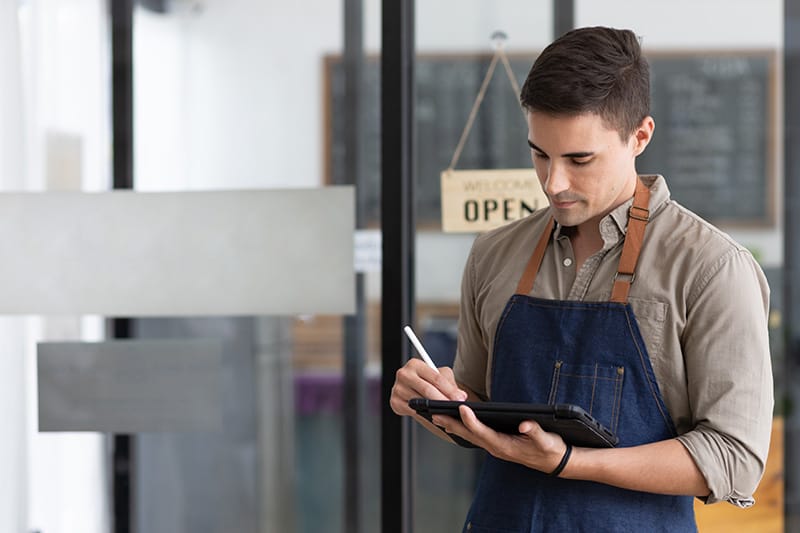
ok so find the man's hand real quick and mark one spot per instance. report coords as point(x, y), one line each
point(663, 467)
point(533, 447)
point(417, 380)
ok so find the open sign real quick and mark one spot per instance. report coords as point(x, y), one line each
point(480, 200)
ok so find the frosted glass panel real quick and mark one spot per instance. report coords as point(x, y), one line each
point(194, 253)
point(130, 386)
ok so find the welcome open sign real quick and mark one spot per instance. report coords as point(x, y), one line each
point(480, 200)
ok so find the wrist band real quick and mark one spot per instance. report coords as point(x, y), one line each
point(563, 462)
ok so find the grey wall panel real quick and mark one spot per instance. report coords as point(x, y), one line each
point(268, 252)
point(130, 386)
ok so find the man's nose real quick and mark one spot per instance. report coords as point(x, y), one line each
point(557, 180)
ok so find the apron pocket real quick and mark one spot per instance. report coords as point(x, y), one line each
point(596, 388)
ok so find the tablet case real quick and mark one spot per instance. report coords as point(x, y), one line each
point(575, 425)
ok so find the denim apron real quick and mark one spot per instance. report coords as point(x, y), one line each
point(590, 354)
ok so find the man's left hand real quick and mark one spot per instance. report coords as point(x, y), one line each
point(532, 447)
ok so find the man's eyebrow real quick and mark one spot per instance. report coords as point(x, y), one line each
point(570, 154)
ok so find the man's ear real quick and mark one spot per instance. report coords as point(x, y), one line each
point(643, 135)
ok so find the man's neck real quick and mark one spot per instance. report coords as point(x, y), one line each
point(586, 240)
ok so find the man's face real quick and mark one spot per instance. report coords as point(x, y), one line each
point(584, 167)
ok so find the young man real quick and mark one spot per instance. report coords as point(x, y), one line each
point(616, 299)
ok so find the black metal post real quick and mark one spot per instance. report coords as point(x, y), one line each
point(122, 92)
point(791, 232)
point(354, 325)
point(563, 17)
point(122, 146)
point(398, 226)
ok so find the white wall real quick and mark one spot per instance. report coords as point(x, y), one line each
point(212, 111)
point(675, 24)
point(231, 96)
point(466, 25)
point(13, 434)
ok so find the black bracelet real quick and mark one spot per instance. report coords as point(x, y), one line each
point(563, 462)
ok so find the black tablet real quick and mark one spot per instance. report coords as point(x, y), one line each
point(575, 425)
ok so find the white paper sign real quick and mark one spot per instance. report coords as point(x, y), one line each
point(368, 250)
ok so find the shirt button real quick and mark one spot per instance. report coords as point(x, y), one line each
point(567, 262)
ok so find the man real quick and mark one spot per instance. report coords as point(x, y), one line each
point(626, 304)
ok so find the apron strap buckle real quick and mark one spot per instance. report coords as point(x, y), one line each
point(631, 277)
point(639, 213)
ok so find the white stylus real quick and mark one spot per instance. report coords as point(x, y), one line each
point(420, 348)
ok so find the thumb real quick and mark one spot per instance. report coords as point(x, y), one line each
point(529, 428)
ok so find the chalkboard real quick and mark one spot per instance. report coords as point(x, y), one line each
point(713, 140)
point(714, 114)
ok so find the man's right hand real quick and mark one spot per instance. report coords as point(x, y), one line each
point(417, 380)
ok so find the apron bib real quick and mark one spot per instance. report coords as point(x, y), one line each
point(590, 354)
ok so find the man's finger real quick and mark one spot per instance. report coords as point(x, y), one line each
point(448, 385)
point(471, 421)
point(530, 428)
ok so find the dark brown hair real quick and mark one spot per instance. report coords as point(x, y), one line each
point(592, 70)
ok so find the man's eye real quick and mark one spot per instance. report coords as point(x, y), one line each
point(538, 155)
point(581, 162)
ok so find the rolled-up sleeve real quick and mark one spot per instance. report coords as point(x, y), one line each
point(726, 350)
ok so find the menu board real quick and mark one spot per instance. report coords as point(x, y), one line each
point(714, 113)
point(714, 134)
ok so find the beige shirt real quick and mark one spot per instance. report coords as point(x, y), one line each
point(701, 302)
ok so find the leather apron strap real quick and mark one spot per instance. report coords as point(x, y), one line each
point(525, 284)
point(638, 216)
